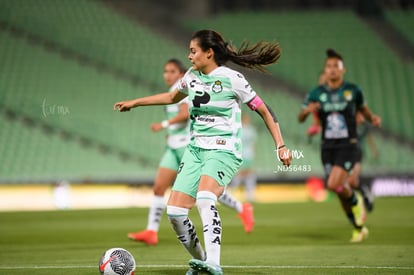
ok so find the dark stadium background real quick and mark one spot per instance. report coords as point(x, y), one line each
point(64, 63)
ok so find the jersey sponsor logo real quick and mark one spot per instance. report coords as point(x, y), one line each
point(217, 87)
point(334, 107)
point(220, 141)
point(205, 119)
point(336, 126)
point(200, 97)
point(193, 83)
point(348, 95)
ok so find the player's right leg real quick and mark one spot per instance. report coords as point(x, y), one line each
point(183, 198)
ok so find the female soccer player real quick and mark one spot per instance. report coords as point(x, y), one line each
point(246, 174)
point(336, 103)
point(178, 137)
point(177, 124)
point(214, 154)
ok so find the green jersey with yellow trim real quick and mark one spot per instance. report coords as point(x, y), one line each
point(216, 107)
point(337, 112)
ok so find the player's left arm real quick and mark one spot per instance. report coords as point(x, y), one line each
point(365, 110)
point(272, 125)
point(246, 93)
point(372, 145)
point(370, 116)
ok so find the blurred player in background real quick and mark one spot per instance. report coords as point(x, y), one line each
point(213, 156)
point(246, 174)
point(336, 104)
point(363, 133)
point(61, 194)
point(178, 127)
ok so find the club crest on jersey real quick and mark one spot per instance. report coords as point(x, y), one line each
point(217, 87)
point(220, 141)
point(348, 95)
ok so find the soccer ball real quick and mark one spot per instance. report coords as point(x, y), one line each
point(117, 261)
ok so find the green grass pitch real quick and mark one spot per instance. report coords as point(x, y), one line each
point(289, 238)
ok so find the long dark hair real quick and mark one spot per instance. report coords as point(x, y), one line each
point(254, 57)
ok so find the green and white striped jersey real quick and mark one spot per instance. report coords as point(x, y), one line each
point(216, 107)
point(178, 133)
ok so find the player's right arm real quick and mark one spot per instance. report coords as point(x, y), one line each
point(310, 105)
point(182, 116)
point(157, 99)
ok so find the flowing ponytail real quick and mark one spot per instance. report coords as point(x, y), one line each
point(254, 57)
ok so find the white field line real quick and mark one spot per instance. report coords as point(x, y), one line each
point(224, 266)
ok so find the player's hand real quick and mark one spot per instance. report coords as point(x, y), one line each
point(123, 106)
point(376, 121)
point(285, 156)
point(155, 127)
point(313, 130)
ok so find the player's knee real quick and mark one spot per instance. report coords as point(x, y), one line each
point(353, 182)
point(339, 189)
point(159, 190)
point(205, 199)
point(174, 212)
point(335, 187)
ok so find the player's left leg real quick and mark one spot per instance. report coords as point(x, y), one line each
point(212, 228)
point(182, 199)
point(351, 201)
point(182, 225)
point(218, 170)
point(250, 182)
point(244, 210)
